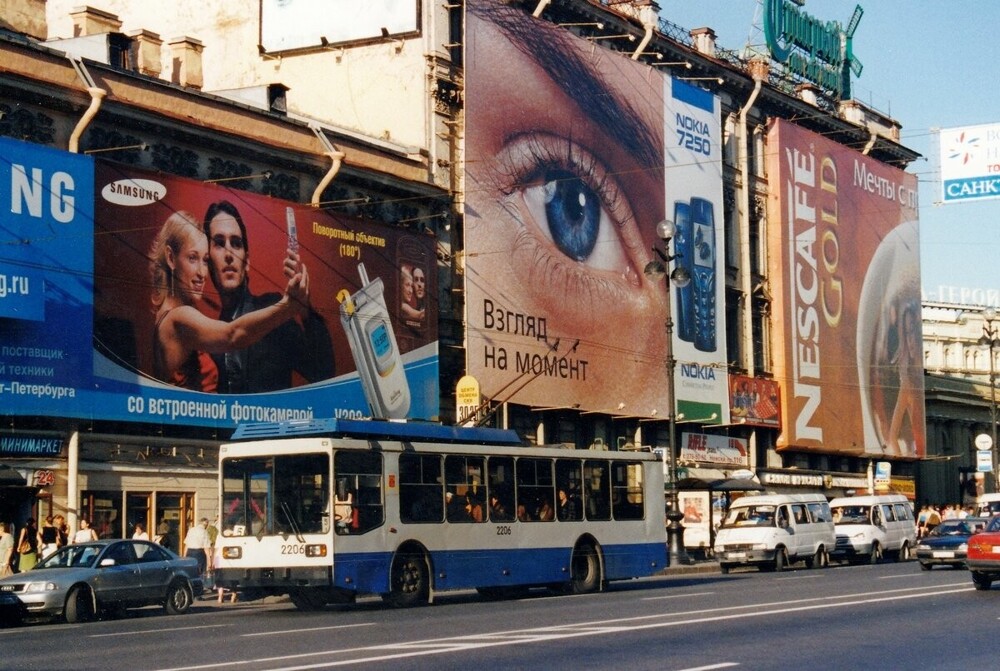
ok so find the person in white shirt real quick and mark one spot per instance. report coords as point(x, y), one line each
point(140, 532)
point(195, 543)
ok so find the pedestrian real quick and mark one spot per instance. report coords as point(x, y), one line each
point(6, 551)
point(196, 543)
point(27, 546)
point(48, 537)
point(140, 532)
point(85, 533)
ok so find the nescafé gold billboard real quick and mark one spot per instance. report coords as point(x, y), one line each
point(845, 273)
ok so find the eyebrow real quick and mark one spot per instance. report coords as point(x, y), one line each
point(553, 52)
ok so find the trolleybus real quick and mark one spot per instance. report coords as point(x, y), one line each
point(325, 510)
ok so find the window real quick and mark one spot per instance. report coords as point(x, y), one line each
point(421, 490)
point(569, 475)
point(597, 489)
point(535, 491)
point(902, 511)
point(626, 490)
point(500, 484)
point(465, 484)
point(362, 474)
point(819, 512)
point(799, 513)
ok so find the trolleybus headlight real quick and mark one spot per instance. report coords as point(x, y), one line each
point(315, 550)
point(232, 552)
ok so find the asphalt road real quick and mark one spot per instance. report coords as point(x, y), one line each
point(889, 616)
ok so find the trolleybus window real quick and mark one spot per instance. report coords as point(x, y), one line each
point(360, 475)
point(597, 490)
point(535, 489)
point(501, 489)
point(421, 491)
point(280, 494)
point(464, 481)
point(626, 490)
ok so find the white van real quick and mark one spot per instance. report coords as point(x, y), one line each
point(871, 527)
point(774, 530)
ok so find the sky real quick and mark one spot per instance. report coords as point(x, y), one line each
point(929, 64)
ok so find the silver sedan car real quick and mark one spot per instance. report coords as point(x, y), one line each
point(81, 581)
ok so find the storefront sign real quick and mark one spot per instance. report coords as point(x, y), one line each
point(712, 449)
point(792, 479)
point(970, 164)
point(819, 51)
point(30, 446)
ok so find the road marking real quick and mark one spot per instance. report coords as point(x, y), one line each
point(296, 631)
point(403, 650)
point(676, 596)
point(146, 631)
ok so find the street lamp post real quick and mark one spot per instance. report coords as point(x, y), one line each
point(680, 277)
point(990, 341)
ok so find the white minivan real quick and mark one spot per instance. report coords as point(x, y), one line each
point(775, 530)
point(872, 527)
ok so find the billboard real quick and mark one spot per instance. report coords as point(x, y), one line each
point(110, 339)
point(573, 156)
point(845, 272)
point(970, 163)
point(300, 24)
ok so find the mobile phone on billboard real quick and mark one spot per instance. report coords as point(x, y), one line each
point(373, 345)
point(683, 251)
point(703, 264)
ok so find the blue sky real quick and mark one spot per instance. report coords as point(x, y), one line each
point(929, 64)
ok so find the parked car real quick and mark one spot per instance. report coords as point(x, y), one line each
point(948, 542)
point(983, 557)
point(80, 581)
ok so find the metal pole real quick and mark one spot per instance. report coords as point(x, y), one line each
point(675, 530)
point(993, 410)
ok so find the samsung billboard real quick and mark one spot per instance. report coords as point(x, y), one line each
point(137, 296)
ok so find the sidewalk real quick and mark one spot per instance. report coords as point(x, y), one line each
point(692, 567)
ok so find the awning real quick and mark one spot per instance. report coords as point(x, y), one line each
point(719, 485)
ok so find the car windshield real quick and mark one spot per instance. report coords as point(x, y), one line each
point(72, 556)
point(750, 516)
point(951, 528)
point(852, 515)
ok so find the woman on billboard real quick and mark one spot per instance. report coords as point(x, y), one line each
point(183, 336)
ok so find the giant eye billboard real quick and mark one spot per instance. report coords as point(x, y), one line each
point(845, 273)
point(146, 297)
point(574, 154)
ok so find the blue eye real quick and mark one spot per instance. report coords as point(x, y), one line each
point(573, 211)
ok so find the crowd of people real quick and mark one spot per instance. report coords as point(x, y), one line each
point(930, 516)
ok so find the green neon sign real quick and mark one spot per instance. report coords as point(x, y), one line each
point(820, 51)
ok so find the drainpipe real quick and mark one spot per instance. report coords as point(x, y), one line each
point(96, 96)
point(73, 480)
point(542, 4)
point(870, 143)
point(744, 160)
point(336, 158)
point(649, 24)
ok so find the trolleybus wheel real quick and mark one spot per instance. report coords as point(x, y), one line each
point(308, 599)
point(585, 570)
point(408, 581)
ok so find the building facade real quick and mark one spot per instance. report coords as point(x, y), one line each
point(497, 170)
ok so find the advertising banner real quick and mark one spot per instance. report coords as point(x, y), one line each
point(754, 401)
point(845, 272)
point(712, 449)
point(145, 318)
point(570, 153)
point(970, 163)
point(693, 179)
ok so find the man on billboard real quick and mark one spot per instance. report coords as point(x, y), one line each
point(269, 364)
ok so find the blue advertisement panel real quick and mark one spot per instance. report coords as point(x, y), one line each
point(171, 300)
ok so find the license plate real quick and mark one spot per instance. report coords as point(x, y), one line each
point(737, 555)
point(941, 554)
point(996, 549)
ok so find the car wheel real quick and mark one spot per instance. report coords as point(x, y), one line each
point(904, 552)
point(925, 566)
point(818, 560)
point(875, 556)
point(79, 605)
point(724, 569)
point(981, 581)
point(178, 599)
point(780, 559)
